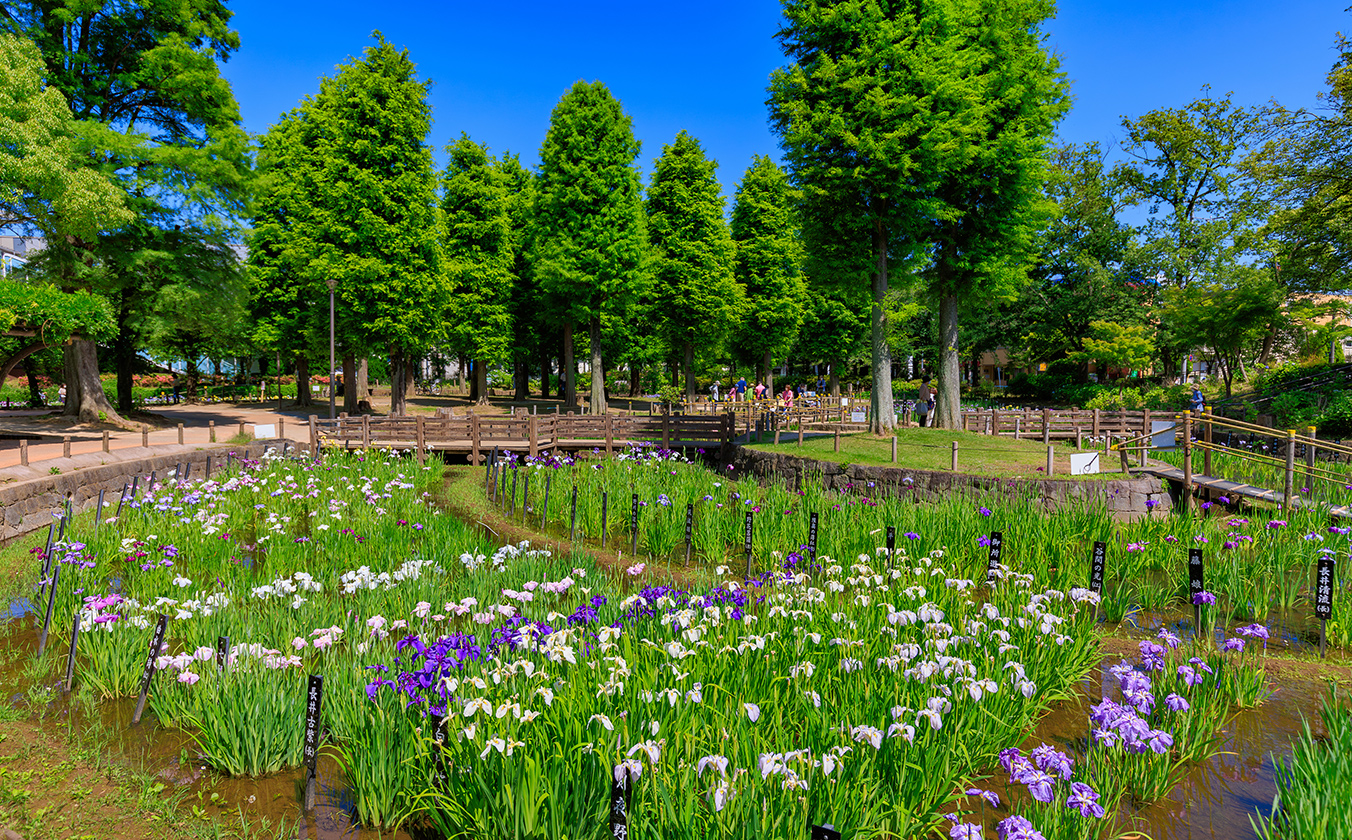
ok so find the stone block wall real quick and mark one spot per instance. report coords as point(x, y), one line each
point(1126, 498)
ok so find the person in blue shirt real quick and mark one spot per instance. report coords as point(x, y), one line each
point(1198, 401)
point(741, 388)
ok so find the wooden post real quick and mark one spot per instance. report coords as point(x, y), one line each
point(1145, 434)
point(422, 438)
point(1289, 483)
point(211, 431)
point(800, 431)
point(366, 431)
point(1097, 425)
point(107, 443)
point(1122, 450)
point(241, 429)
point(1187, 461)
point(894, 449)
point(1309, 460)
point(837, 440)
point(954, 465)
point(610, 434)
point(1206, 435)
point(314, 436)
point(1079, 437)
point(995, 421)
point(776, 434)
point(473, 438)
point(65, 446)
point(666, 430)
point(1051, 459)
point(23, 451)
point(1046, 426)
point(180, 434)
point(1018, 427)
point(532, 433)
point(145, 435)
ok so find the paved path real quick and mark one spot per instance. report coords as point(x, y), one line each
point(46, 431)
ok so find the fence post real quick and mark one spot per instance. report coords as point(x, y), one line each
point(954, 464)
point(107, 443)
point(1046, 426)
point(837, 449)
point(666, 430)
point(533, 432)
point(1290, 481)
point(23, 451)
point(1206, 451)
point(366, 431)
point(1097, 430)
point(180, 434)
point(474, 437)
point(65, 446)
point(894, 448)
point(1187, 460)
point(1309, 460)
point(610, 434)
point(211, 431)
point(314, 436)
point(422, 438)
point(1145, 434)
point(1079, 437)
point(241, 431)
point(1051, 459)
point(145, 435)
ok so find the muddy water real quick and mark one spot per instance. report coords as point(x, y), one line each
point(171, 756)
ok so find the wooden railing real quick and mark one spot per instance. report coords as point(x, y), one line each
point(475, 434)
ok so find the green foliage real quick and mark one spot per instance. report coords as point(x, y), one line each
point(1115, 345)
point(942, 152)
point(769, 261)
point(54, 314)
point(477, 199)
point(46, 182)
point(1314, 786)
point(1225, 315)
point(693, 288)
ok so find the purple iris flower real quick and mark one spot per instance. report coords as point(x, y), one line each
point(990, 796)
point(1203, 597)
point(1085, 800)
point(1176, 703)
point(1016, 827)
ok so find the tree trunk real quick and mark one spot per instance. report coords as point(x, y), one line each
point(363, 379)
point(124, 357)
point(411, 370)
point(544, 373)
point(84, 392)
point(1269, 339)
point(689, 371)
point(598, 369)
point(834, 384)
point(947, 397)
point(884, 414)
point(460, 375)
point(481, 382)
point(398, 395)
point(350, 393)
point(302, 380)
point(569, 369)
point(34, 392)
point(474, 395)
point(769, 368)
point(521, 372)
point(634, 383)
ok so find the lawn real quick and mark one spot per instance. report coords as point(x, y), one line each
point(932, 449)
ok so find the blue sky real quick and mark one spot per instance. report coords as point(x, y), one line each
point(499, 68)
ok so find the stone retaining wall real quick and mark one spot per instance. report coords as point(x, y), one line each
point(1127, 498)
point(30, 495)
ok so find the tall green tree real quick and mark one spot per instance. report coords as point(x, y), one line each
point(481, 256)
point(924, 123)
point(147, 74)
point(693, 286)
point(356, 193)
point(1227, 316)
point(590, 239)
point(769, 263)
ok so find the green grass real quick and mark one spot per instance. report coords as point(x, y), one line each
point(932, 449)
point(1314, 787)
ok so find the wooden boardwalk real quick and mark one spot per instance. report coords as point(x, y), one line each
point(1225, 487)
point(476, 435)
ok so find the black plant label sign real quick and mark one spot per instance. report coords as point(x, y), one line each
point(997, 546)
point(812, 536)
point(314, 696)
point(1323, 588)
point(747, 540)
point(619, 809)
point(633, 513)
point(821, 832)
point(891, 540)
point(1195, 579)
point(222, 651)
point(440, 734)
point(1097, 567)
point(156, 641)
point(689, 521)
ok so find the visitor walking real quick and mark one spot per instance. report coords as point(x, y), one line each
point(923, 401)
point(787, 396)
point(713, 390)
point(821, 384)
point(741, 389)
point(1198, 401)
point(760, 391)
